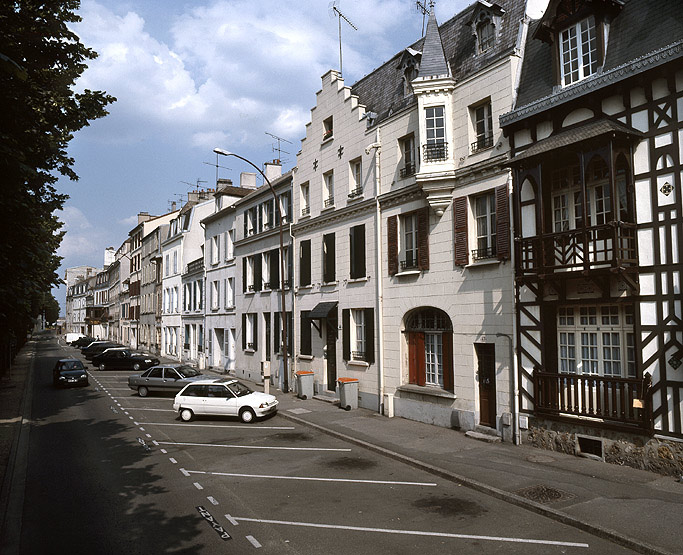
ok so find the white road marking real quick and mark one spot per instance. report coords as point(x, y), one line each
point(198, 485)
point(253, 446)
point(348, 480)
point(184, 472)
point(149, 436)
point(142, 429)
point(298, 411)
point(130, 417)
point(171, 458)
point(253, 541)
point(414, 532)
point(155, 442)
point(218, 425)
point(156, 410)
point(119, 389)
point(232, 520)
point(125, 412)
point(212, 500)
point(163, 451)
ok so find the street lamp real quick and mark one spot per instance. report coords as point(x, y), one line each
point(283, 312)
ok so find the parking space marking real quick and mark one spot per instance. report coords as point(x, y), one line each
point(212, 500)
point(184, 472)
point(163, 451)
point(253, 541)
point(219, 426)
point(198, 486)
point(231, 520)
point(313, 479)
point(414, 532)
point(171, 458)
point(149, 436)
point(253, 446)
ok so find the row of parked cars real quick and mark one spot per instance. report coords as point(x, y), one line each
point(196, 393)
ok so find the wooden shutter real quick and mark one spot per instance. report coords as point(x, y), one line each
point(502, 223)
point(305, 263)
point(244, 274)
point(275, 269)
point(258, 279)
point(255, 334)
point(305, 347)
point(346, 334)
point(416, 358)
point(460, 224)
point(329, 258)
point(423, 238)
point(392, 244)
point(245, 217)
point(369, 336)
point(447, 341)
point(244, 331)
point(358, 252)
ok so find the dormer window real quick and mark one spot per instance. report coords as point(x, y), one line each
point(409, 74)
point(578, 51)
point(328, 129)
point(485, 20)
point(485, 35)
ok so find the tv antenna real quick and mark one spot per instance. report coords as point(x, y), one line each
point(278, 148)
point(195, 185)
point(421, 7)
point(216, 165)
point(171, 203)
point(336, 12)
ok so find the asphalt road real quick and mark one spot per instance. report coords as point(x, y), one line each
point(110, 472)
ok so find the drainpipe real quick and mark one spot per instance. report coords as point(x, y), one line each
point(379, 275)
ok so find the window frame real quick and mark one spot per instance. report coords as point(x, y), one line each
point(573, 33)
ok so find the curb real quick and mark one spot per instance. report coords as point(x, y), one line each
point(563, 518)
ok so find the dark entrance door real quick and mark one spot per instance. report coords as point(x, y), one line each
point(331, 342)
point(486, 374)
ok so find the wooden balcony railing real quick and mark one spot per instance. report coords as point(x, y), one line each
point(615, 400)
point(605, 246)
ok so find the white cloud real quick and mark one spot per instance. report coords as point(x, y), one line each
point(80, 238)
point(129, 222)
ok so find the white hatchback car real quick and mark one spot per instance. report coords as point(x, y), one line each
point(224, 397)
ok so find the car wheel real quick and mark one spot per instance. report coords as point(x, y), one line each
point(186, 415)
point(102, 367)
point(136, 366)
point(143, 391)
point(247, 415)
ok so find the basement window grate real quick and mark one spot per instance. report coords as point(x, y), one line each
point(590, 446)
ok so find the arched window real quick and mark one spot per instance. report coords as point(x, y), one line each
point(485, 35)
point(429, 332)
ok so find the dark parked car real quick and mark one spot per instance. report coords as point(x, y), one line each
point(83, 341)
point(96, 349)
point(69, 372)
point(164, 378)
point(123, 359)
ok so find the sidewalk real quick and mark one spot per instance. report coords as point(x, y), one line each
point(634, 508)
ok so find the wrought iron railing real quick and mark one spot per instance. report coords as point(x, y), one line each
point(484, 254)
point(251, 346)
point(482, 143)
point(306, 210)
point(608, 245)
point(358, 355)
point(435, 152)
point(410, 263)
point(329, 202)
point(358, 191)
point(407, 170)
point(608, 398)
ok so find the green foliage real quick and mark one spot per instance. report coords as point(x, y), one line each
point(40, 60)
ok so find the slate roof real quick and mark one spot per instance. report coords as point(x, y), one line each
point(433, 63)
point(576, 135)
point(382, 90)
point(640, 28)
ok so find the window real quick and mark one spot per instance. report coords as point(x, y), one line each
point(408, 242)
point(482, 226)
point(578, 51)
point(175, 299)
point(305, 263)
point(285, 206)
point(230, 244)
point(230, 293)
point(407, 148)
point(328, 130)
point(249, 332)
point(304, 197)
point(483, 126)
point(357, 251)
point(277, 338)
point(175, 262)
point(597, 340)
point(328, 258)
point(215, 294)
point(265, 269)
point(485, 35)
point(267, 214)
point(186, 339)
point(435, 122)
point(166, 265)
point(215, 249)
point(355, 178)
point(430, 348)
point(328, 189)
point(251, 273)
point(485, 218)
point(358, 334)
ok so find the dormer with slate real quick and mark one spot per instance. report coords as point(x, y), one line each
point(486, 25)
point(578, 31)
point(409, 65)
point(434, 87)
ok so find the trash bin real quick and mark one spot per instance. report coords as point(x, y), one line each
point(348, 393)
point(304, 384)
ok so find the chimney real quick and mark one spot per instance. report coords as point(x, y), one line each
point(273, 170)
point(223, 182)
point(143, 217)
point(173, 206)
point(109, 256)
point(193, 196)
point(248, 180)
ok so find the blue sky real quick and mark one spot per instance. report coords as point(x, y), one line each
point(193, 75)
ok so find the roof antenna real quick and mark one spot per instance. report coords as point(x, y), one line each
point(216, 165)
point(278, 148)
point(195, 185)
point(334, 11)
point(421, 7)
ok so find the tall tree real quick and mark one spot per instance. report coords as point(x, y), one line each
point(40, 60)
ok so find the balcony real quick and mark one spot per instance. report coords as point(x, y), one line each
point(484, 254)
point(329, 202)
point(407, 170)
point(306, 211)
point(435, 152)
point(357, 192)
point(610, 245)
point(613, 400)
point(482, 143)
point(410, 263)
point(358, 355)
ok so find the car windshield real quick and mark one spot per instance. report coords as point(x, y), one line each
point(239, 389)
point(72, 365)
point(187, 371)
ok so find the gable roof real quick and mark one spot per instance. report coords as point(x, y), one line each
point(382, 90)
point(639, 34)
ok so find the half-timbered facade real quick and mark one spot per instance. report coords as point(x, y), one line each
point(597, 138)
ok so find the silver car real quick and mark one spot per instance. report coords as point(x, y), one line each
point(169, 378)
